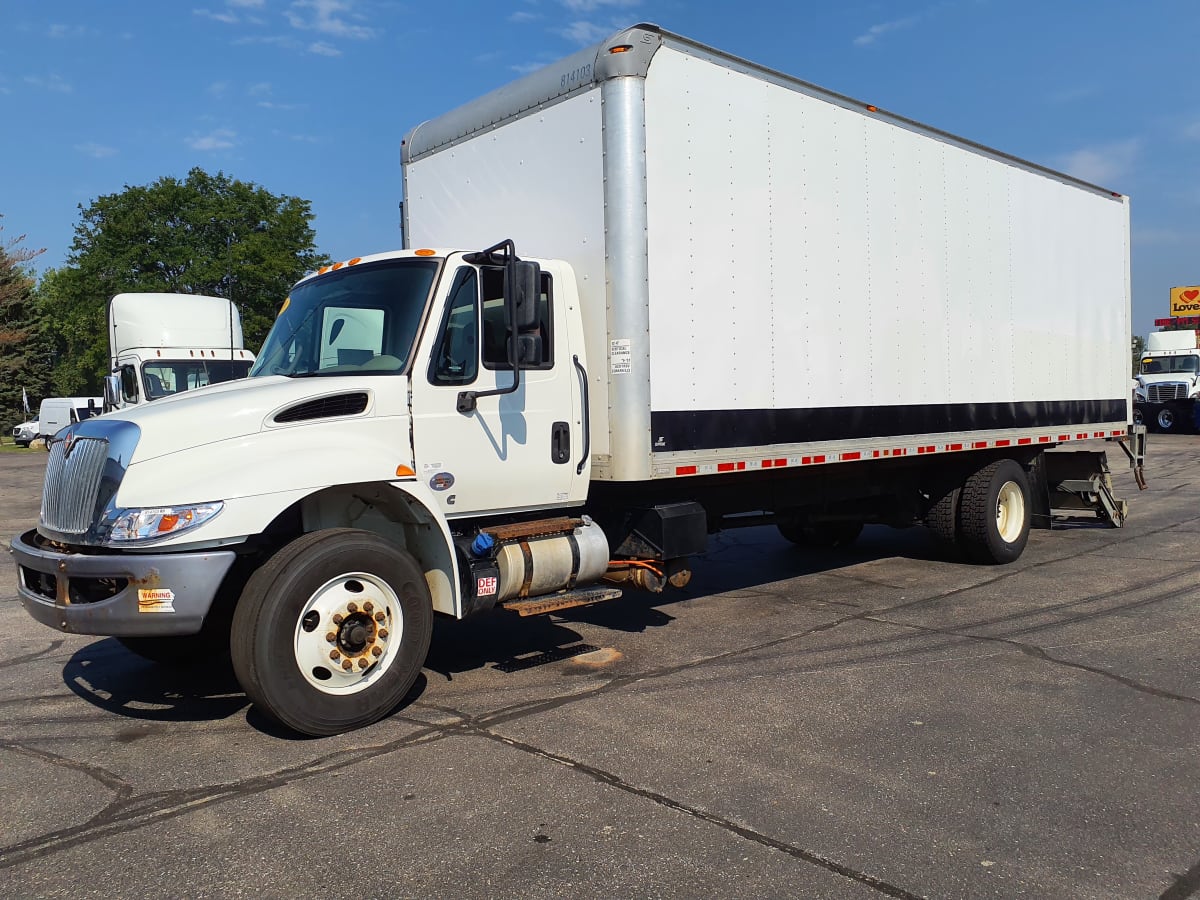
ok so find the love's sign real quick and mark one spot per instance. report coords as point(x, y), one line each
point(1185, 301)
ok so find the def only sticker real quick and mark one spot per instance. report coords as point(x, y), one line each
point(156, 600)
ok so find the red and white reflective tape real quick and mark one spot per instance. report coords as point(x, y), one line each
point(781, 462)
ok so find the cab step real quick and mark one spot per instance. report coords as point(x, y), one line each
point(536, 606)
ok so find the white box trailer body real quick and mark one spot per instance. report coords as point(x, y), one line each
point(162, 344)
point(772, 271)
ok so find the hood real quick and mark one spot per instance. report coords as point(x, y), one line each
point(235, 409)
point(1167, 377)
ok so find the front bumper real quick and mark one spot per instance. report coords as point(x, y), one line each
point(128, 594)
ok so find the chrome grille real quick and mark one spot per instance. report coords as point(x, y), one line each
point(1166, 390)
point(73, 483)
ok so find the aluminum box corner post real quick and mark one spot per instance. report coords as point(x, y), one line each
point(623, 96)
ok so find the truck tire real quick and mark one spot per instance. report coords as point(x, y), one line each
point(827, 535)
point(994, 513)
point(1167, 419)
point(331, 633)
point(942, 518)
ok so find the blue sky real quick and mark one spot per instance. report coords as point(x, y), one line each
point(312, 97)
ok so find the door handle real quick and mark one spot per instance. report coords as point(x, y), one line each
point(560, 443)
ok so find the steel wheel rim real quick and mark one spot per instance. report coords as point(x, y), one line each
point(1010, 512)
point(353, 619)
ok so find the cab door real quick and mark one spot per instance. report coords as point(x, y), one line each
point(513, 452)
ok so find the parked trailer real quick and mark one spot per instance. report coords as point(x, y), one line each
point(748, 300)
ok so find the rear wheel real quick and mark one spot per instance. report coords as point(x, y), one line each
point(331, 633)
point(1166, 419)
point(942, 517)
point(994, 512)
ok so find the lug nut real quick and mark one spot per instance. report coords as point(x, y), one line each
point(382, 634)
point(368, 606)
point(352, 606)
point(337, 619)
point(331, 637)
point(379, 617)
point(377, 651)
point(363, 663)
point(347, 665)
point(333, 654)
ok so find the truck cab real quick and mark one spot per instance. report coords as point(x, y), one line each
point(165, 344)
point(1168, 382)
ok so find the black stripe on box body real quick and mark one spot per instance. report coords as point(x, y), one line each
point(716, 428)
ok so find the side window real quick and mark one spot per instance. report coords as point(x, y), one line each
point(456, 357)
point(495, 323)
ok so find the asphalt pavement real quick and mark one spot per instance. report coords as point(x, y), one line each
point(876, 722)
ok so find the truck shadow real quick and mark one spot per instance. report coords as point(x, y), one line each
point(112, 678)
point(735, 560)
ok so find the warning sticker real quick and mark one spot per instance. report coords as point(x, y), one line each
point(157, 600)
point(485, 586)
point(620, 357)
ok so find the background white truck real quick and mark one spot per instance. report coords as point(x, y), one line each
point(162, 344)
point(748, 301)
point(56, 413)
point(1169, 382)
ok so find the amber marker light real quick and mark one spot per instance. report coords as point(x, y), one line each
point(355, 261)
point(621, 48)
point(423, 253)
point(283, 309)
point(403, 471)
point(872, 108)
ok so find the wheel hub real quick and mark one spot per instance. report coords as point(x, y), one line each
point(342, 638)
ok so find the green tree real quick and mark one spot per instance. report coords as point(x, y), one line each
point(1137, 346)
point(206, 234)
point(24, 355)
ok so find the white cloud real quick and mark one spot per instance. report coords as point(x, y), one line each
point(248, 4)
point(218, 139)
point(53, 83)
point(328, 17)
point(65, 31)
point(218, 88)
point(585, 33)
point(283, 107)
point(526, 68)
point(262, 89)
point(323, 49)
point(96, 151)
point(586, 6)
point(1101, 163)
point(521, 17)
point(875, 32)
point(226, 17)
point(1191, 131)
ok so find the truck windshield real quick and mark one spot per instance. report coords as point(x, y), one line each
point(174, 376)
point(1161, 365)
point(362, 319)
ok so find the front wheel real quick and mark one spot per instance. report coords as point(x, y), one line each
point(331, 633)
point(994, 512)
point(1166, 419)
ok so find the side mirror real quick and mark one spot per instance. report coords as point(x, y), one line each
point(529, 350)
point(112, 392)
point(522, 283)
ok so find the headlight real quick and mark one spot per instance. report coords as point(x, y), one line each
point(160, 521)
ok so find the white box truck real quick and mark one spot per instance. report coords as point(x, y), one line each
point(56, 413)
point(162, 344)
point(1168, 384)
point(740, 299)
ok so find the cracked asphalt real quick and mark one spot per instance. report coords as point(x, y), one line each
point(875, 722)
